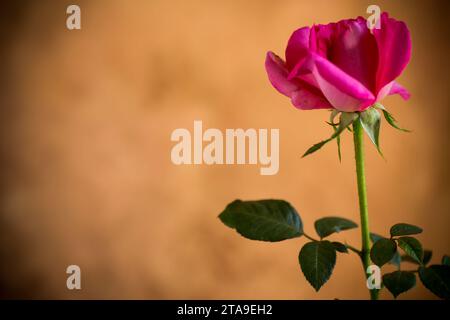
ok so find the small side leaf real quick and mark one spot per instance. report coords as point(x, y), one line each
point(396, 259)
point(265, 220)
point(427, 254)
point(383, 251)
point(328, 225)
point(399, 281)
point(374, 237)
point(404, 229)
point(370, 121)
point(436, 278)
point(446, 260)
point(340, 247)
point(412, 248)
point(317, 260)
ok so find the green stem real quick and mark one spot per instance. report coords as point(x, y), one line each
point(310, 238)
point(354, 249)
point(358, 137)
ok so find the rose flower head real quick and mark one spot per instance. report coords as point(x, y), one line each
point(343, 65)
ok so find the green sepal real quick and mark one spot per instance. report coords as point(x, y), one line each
point(345, 120)
point(370, 121)
point(390, 118)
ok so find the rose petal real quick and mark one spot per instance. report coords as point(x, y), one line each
point(320, 38)
point(393, 88)
point(303, 95)
point(354, 51)
point(400, 90)
point(277, 72)
point(308, 98)
point(297, 47)
point(394, 49)
point(344, 92)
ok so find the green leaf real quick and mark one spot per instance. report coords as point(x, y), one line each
point(412, 248)
point(427, 254)
point(383, 251)
point(399, 281)
point(346, 119)
point(446, 260)
point(404, 229)
point(436, 278)
point(329, 225)
point(340, 247)
point(265, 220)
point(370, 121)
point(317, 260)
point(374, 237)
point(396, 259)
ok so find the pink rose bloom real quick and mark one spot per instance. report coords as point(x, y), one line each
point(342, 65)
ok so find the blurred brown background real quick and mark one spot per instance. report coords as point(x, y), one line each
point(86, 118)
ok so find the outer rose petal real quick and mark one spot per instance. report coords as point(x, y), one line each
point(400, 90)
point(302, 95)
point(297, 48)
point(277, 72)
point(344, 92)
point(393, 88)
point(394, 49)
